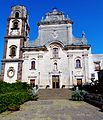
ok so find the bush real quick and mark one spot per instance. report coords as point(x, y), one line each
point(18, 86)
point(13, 95)
point(3, 107)
point(78, 95)
point(13, 100)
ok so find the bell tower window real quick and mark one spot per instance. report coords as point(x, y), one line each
point(13, 50)
point(15, 25)
point(17, 15)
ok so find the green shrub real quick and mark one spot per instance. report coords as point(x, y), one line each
point(78, 95)
point(3, 107)
point(13, 95)
point(18, 86)
point(13, 98)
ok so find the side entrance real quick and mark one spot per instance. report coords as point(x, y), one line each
point(55, 81)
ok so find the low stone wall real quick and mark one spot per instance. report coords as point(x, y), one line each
point(94, 99)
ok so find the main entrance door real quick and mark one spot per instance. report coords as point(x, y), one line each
point(55, 81)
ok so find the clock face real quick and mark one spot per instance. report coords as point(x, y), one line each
point(10, 72)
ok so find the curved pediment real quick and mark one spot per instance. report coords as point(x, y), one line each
point(56, 42)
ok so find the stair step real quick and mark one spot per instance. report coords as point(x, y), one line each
point(45, 94)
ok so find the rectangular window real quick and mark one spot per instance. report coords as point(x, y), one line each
point(97, 66)
point(92, 75)
point(55, 52)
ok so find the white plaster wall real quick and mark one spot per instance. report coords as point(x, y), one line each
point(63, 31)
point(11, 42)
point(45, 67)
point(64, 68)
point(76, 72)
point(11, 26)
point(27, 73)
point(14, 78)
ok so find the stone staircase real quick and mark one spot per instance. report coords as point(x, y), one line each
point(45, 94)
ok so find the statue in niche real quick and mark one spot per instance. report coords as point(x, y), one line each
point(55, 66)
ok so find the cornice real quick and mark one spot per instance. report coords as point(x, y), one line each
point(11, 60)
point(34, 48)
point(75, 47)
point(15, 36)
point(54, 22)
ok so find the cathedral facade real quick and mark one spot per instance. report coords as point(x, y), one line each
point(56, 59)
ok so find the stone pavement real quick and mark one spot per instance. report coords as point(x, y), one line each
point(54, 110)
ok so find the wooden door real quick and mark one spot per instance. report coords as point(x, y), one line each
point(79, 82)
point(55, 81)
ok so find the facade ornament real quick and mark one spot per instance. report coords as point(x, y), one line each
point(42, 19)
point(68, 17)
point(83, 34)
point(55, 34)
point(11, 72)
point(70, 55)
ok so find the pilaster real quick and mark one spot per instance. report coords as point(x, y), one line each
point(70, 57)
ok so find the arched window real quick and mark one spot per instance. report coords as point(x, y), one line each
point(15, 25)
point(78, 63)
point(13, 50)
point(17, 15)
point(33, 65)
point(55, 52)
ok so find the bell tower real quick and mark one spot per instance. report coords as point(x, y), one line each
point(16, 35)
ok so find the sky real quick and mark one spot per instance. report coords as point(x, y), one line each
point(87, 16)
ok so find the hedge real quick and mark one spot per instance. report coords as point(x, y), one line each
point(13, 98)
point(13, 95)
point(18, 86)
point(3, 107)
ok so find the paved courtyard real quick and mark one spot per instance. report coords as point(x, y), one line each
point(54, 110)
